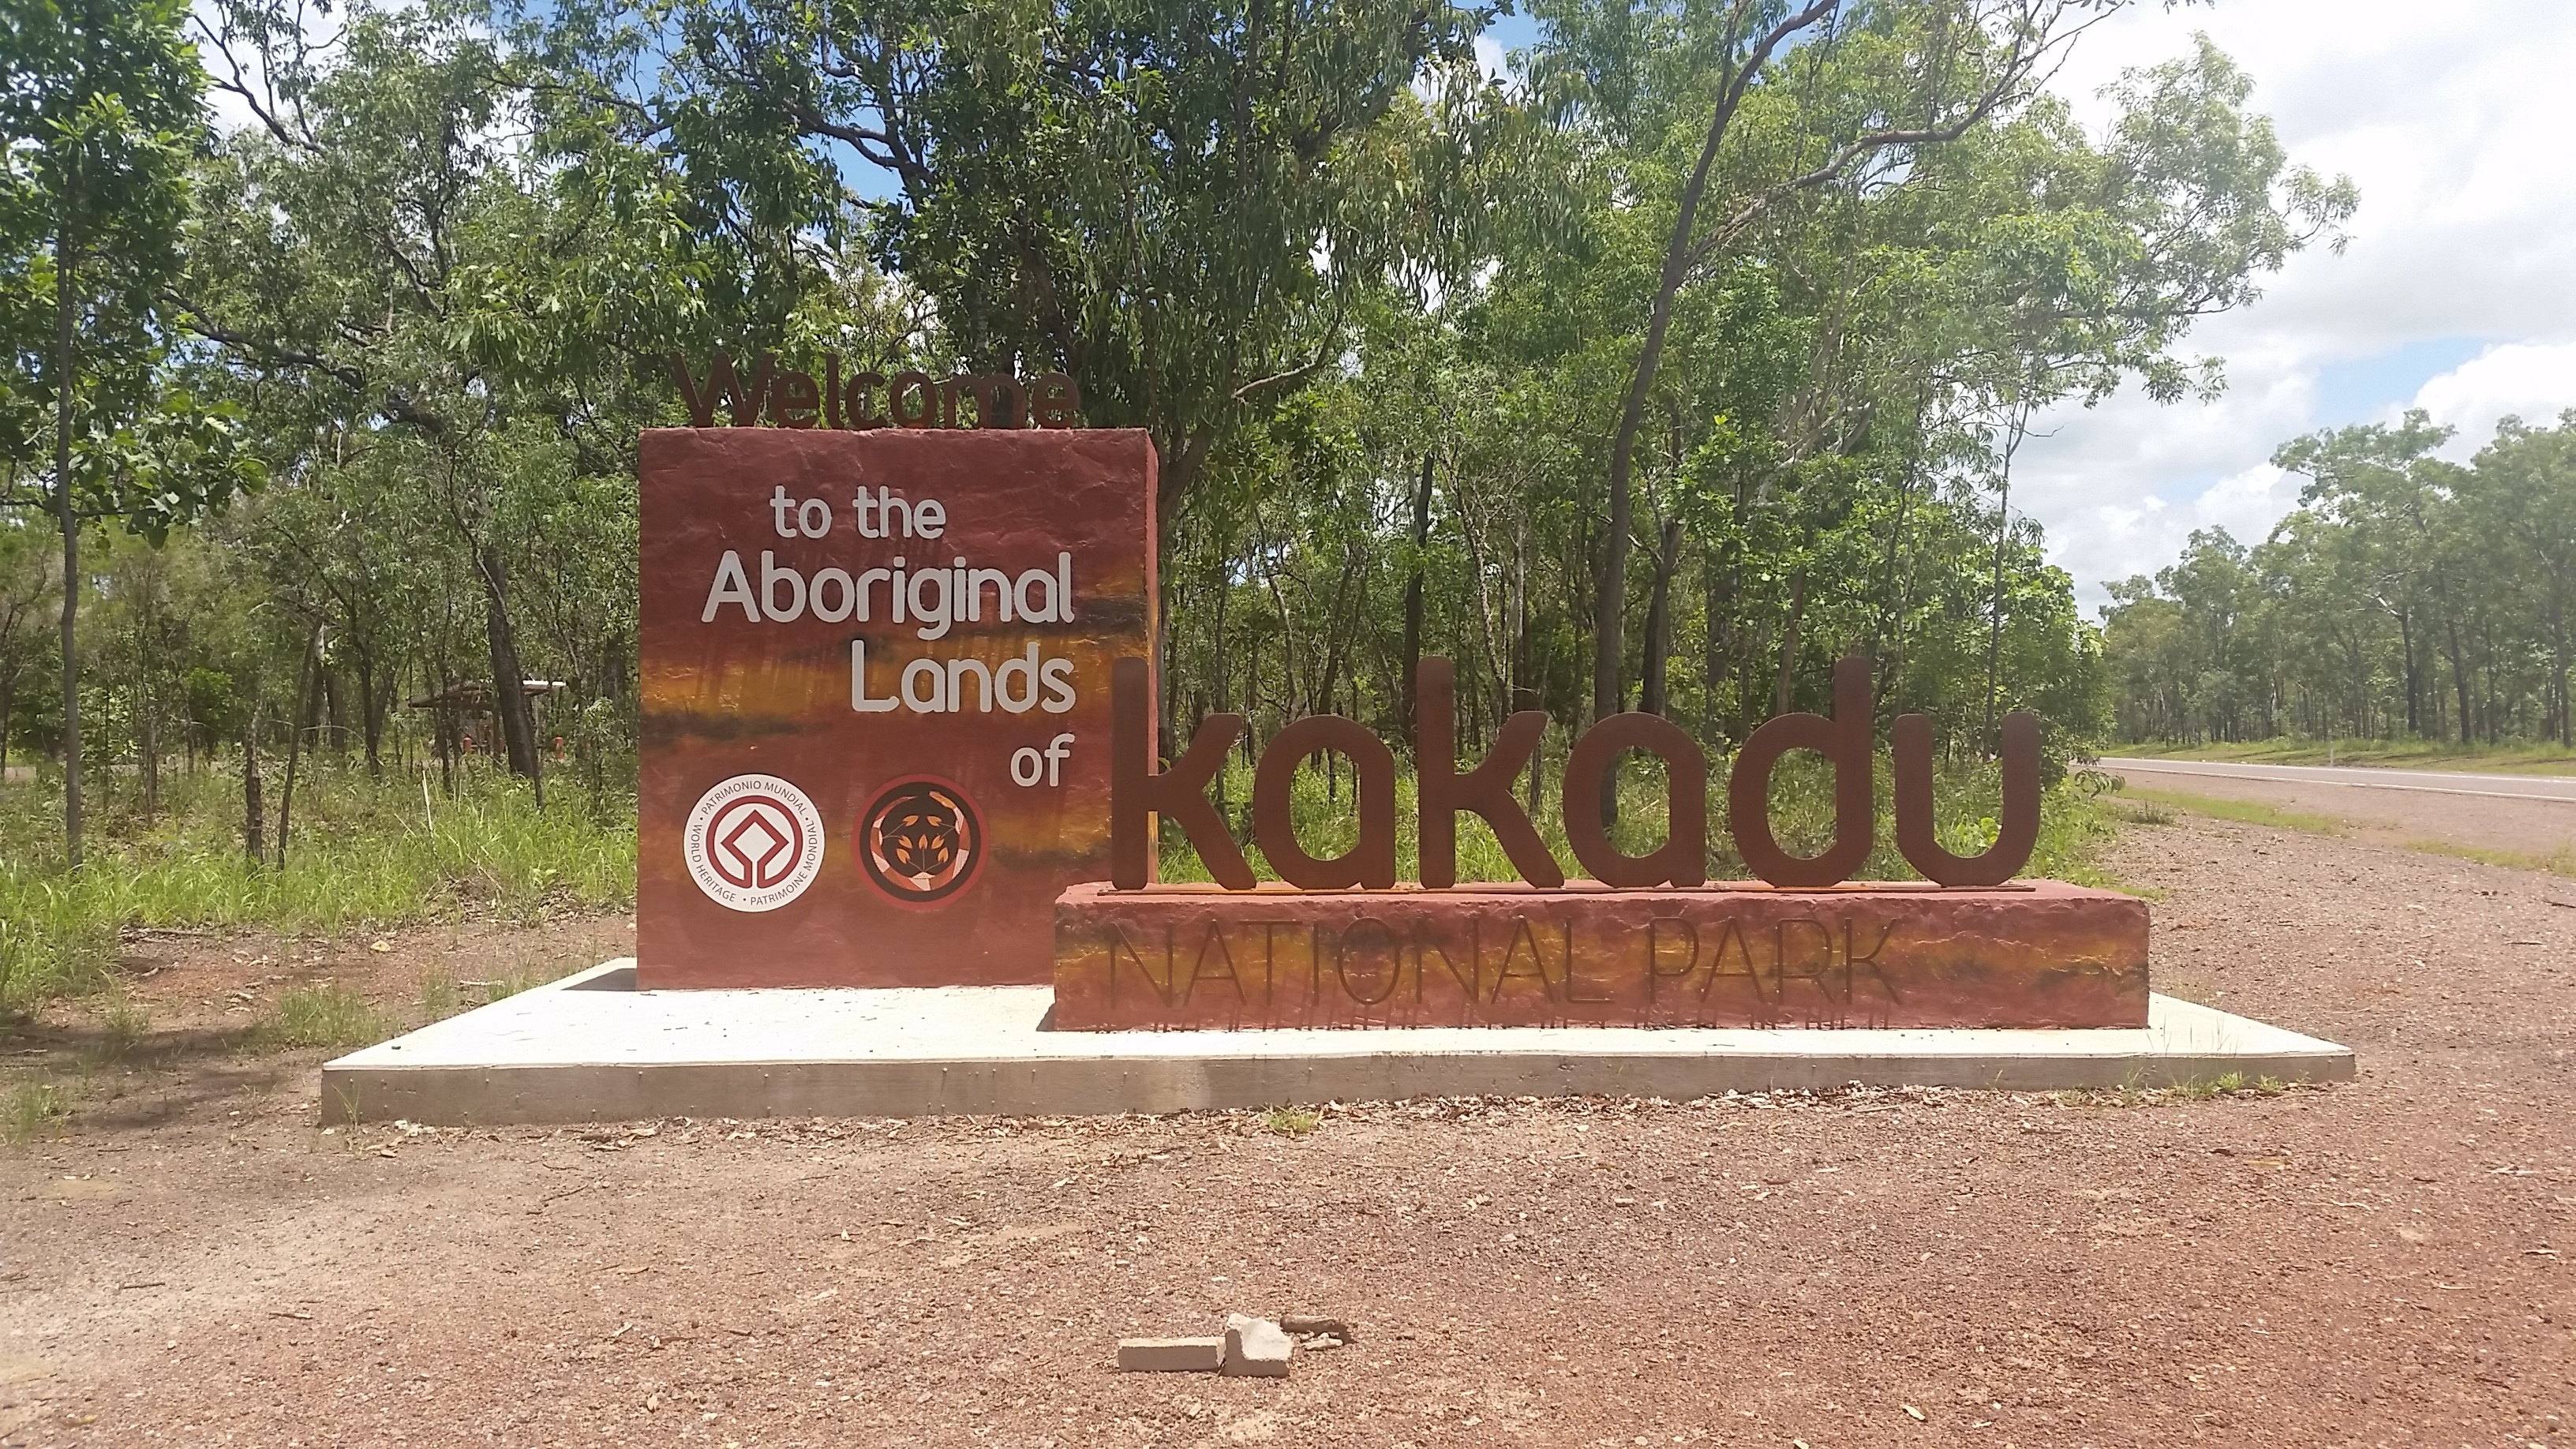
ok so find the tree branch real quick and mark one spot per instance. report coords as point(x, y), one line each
point(1325, 352)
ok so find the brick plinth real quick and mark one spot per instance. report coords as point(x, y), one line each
point(2039, 954)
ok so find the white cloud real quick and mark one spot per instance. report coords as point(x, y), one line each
point(2534, 382)
point(2447, 118)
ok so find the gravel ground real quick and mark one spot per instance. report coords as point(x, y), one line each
point(2378, 1263)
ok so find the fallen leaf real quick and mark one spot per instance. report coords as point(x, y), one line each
point(380, 946)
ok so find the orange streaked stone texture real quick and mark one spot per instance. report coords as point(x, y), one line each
point(2037, 954)
point(732, 696)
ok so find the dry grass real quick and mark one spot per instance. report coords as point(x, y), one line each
point(2244, 812)
point(2526, 758)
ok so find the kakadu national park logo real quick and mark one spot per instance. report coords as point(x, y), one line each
point(754, 843)
point(921, 841)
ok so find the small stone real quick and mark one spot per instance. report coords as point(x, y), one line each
point(1172, 1355)
point(1255, 1348)
point(1313, 1325)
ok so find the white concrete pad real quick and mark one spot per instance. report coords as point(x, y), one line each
point(591, 1048)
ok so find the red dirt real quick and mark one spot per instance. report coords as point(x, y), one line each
point(2378, 1263)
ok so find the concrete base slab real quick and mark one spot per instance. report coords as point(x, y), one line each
point(591, 1048)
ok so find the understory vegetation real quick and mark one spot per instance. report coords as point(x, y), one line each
point(363, 853)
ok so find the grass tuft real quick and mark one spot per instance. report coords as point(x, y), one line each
point(333, 1017)
point(30, 1107)
point(1291, 1121)
point(438, 997)
point(122, 1024)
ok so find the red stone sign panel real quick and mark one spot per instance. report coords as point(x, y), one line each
point(876, 697)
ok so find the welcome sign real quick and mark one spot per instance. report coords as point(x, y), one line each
point(876, 696)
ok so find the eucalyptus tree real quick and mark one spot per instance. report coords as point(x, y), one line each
point(101, 111)
point(2385, 485)
point(2521, 493)
point(1813, 147)
point(1179, 202)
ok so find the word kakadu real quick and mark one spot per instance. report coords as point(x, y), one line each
point(1179, 794)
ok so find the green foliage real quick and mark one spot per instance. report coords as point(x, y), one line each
point(99, 113)
point(1178, 202)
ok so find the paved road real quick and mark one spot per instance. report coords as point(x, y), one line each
point(2433, 782)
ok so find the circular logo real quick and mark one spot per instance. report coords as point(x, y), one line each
point(920, 842)
point(754, 843)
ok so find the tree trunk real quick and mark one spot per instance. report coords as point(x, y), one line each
point(65, 366)
point(371, 710)
point(1413, 599)
point(1789, 642)
point(148, 742)
point(1609, 633)
point(1713, 643)
point(254, 825)
point(1166, 744)
point(2558, 663)
point(303, 720)
point(1995, 625)
point(2459, 678)
point(2414, 690)
point(509, 679)
point(335, 719)
point(1892, 598)
point(1652, 696)
point(446, 727)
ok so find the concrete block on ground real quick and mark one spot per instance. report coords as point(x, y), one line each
point(1255, 1348)
point(1171, 1355)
